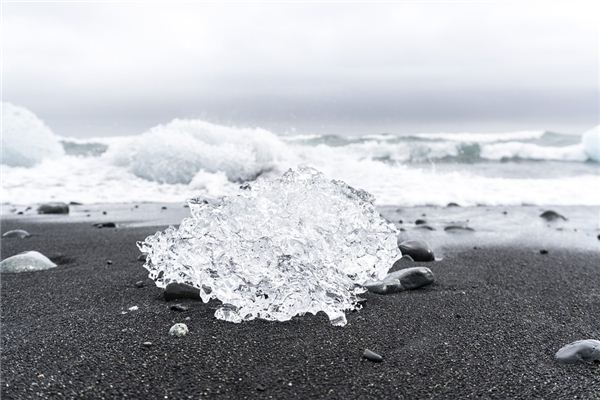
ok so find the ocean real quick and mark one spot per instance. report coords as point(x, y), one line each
point(182, 159)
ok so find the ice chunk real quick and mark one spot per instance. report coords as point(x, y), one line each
point(591, 143)
point(580, 350)
point(282, 247)
point(26, 262)
point(26, 140)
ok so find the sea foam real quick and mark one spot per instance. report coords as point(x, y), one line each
point(26, 140)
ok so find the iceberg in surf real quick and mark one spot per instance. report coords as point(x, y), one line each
point(296, 244)
point(26, 140)
point(591, 143)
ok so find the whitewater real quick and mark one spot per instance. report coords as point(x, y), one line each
point(187, 158)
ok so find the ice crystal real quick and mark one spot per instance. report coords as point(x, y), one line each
point(282, 247)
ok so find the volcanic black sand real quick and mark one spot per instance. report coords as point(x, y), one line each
point(488, 328)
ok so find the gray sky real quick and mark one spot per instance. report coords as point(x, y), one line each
point(121, 67)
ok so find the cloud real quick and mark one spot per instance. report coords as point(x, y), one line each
point(90, 68)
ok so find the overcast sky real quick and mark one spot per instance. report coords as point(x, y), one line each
point(122, 67)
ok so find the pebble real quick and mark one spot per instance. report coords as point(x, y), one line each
point(551, 215)
point(147, 344)
point(142, 257)
point(404, 279)
point(18, 233)
point(419, 250)
point(426, 227)
point(26, 262)
point(420, 222)
point(139, 284)
point(579, 351)
point(179, 330)
point(457, 228)
point(181, 291)
point(53, 208)
point(452, 204)
point(109, 262)
point(372, 356)
point(178, 307)
point(105, 225)
point(543, 251)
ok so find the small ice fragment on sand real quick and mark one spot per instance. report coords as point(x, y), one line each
point(179, 330)
point(18, 233)
point(297, 244)
point(26, 262)
point(578, 351)
point(372, 356)
point(134, 308)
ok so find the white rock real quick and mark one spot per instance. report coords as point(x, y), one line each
point(179, 330)
point(26, 262)
point(580, 350)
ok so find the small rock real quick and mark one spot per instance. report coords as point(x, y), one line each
point(261, 388)
point(18, 233)
point(181, 291)
point(26, 262)
point(147, 344)
point(458, 228)
point(543, 251)
point(142, 257)
point(404, 279)
point(163, 208)
point(417, 249)
point(179, 330)
point(452, 204)
point(53, 208)
point(139, 284)
point(420, 222)
point(109, 262)
point(598, 237)
point(178, 307)
point(582, 350)
point(75, 203)
point(104, 213)
point(405, 261)
point(105, 225)
point(372, 356)
point(505, 212)
point(551, 215)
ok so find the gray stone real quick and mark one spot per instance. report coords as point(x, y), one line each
point(105, 225)
point(18, 233)
point(372, 356)
point(178, 307)
point(179, 330)
point(417, 249)
point(139, 284)
point(181, 291)
point(28, 261)
point(53, 208)
point(551, 215)
point(580, 351)
point(458, 228)
point(404, 279)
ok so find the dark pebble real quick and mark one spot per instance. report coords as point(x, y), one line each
point(109, 262)
point(419, 250)
point(551, 215)
point(53, 208)
point(139, 284)
point(105, 225)
point(505, 212)
point(458, 228)
point(452, 204)
point(142, 257)
point(400, 221)
point(181, 291)
point(261, 388)
point(163, 208)
point(543, 251)
point(178, 307)
point(104, 213)
point(425, 227)
point(372, 356)
point(75, 203)
point(420, 222)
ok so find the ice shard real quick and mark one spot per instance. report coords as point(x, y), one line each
point(286, 246)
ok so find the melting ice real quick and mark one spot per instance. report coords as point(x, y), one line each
point(286, 246)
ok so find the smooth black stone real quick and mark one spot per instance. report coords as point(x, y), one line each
point(139, 284)
point(142, 257)
point(105, 225)
point(109, 262)
point(452, 204)
point(420, 222)
point(75, 203)
point(543, 251)
point(181, 291)
point(551, 215)
point(163, 208)
point(372, 356)
point(404, 262)
point(458, 228)
point(104, 213)
point(18, 233)
point(53, 208)
point(425, 227)
point(419, 250)
point(178, 307)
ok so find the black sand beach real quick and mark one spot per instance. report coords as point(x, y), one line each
point(488, 328)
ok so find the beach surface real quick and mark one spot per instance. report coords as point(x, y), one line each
point(487, 328)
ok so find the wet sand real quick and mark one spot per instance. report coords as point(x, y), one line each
point(488, 328)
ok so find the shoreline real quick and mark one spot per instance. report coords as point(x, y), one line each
point(488, 327)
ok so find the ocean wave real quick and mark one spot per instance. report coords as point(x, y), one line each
point(26, 140)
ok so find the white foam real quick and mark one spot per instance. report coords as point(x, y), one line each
point(472, 137)
point(531, 151)
point(176, 152)
point(26, 140)
point(590, 141)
